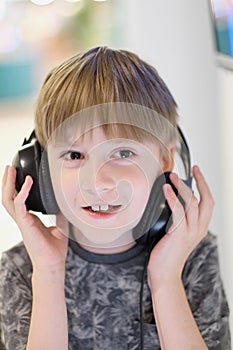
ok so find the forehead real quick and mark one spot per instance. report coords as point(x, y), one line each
point(114, 133)
point(117, 120)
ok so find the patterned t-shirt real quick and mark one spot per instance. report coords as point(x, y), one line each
point(103, 298)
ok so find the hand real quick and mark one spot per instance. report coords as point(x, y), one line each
point(46, 246)
point(190, 226)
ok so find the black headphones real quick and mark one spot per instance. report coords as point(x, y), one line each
point(32, 160)
point(157, 217)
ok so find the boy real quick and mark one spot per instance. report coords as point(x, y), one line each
point(104, 155)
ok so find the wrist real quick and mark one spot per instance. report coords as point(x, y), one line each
point(160, 282)
point(48, 275)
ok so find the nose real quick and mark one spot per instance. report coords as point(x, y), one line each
point(96, 178)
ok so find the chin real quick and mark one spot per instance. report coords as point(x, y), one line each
point(105, 238)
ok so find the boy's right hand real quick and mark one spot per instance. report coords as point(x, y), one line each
point(46, 246)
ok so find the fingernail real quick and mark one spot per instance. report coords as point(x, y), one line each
point(167, 188)
point(196, 168)
point(174, 176)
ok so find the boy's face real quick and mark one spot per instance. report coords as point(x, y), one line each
point(102, 185)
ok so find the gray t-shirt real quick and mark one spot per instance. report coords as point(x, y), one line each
point(103, 298)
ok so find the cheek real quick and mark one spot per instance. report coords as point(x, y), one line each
point(65, 186)
point(141, 181)
point(140, 195)
point(142, 176)
point(69, 183)
point(135, 187)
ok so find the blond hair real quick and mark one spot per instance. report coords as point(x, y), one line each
point(101, 76)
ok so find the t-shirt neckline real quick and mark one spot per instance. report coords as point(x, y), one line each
point(97, 258)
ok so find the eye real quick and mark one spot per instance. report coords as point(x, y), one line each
point(73, 155)
point(123, 153)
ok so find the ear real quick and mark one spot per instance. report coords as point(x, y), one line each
point(167, 158)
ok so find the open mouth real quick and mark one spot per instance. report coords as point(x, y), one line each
point(103, 209)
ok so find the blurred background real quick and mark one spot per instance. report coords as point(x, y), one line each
point(189, 42)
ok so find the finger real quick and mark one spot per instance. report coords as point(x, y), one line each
point(8, 190)
point(190, 201)
point(184, 191)
point(178, 214)
point(206, 204)
point(10, 183)
point(4, 178)
point(20, 207)
point(62, 224)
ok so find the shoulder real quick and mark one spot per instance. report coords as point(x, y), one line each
point(201, 274)
point(206, 294)
point(15, 261)
point(206, 253)
point(15, 296)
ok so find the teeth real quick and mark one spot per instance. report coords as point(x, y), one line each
point(95, 207)
point(104, 207)
point(99, 207)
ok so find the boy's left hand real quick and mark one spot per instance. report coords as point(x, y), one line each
point(190, 226)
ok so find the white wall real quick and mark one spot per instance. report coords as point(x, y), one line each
point(16, 122)
point(176, 37)
point(225, 81)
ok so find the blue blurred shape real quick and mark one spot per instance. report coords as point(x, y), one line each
point(17, 77)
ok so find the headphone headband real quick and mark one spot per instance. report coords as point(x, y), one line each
point(185, 153)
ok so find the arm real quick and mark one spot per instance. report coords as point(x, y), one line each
point(47, 248)
point(177, 327)
point(208, 302)
point(15, 297)
point(48, 328)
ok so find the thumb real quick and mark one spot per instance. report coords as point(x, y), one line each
point(62, 224)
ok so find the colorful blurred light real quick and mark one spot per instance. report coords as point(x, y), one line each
point(41, 2)
point(10, 38)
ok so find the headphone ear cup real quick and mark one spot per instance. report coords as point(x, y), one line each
point(157, 213)
point(160, 227)
point(27, 162)
point(30, 160)
point(46, 188)
point(157, 217)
